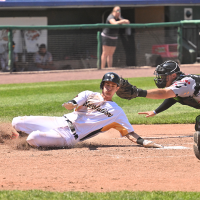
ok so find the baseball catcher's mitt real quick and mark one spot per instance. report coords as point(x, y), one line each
point(126, 90)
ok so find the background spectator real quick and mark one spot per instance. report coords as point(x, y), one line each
point(5, 58)
point(110, 36)
point(43, 59)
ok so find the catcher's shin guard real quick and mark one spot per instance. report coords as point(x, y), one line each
point(196, 146)
point(197, 124)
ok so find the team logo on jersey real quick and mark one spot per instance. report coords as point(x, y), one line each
point(97, 108)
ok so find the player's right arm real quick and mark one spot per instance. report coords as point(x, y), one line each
point(79, 100)
point(70, 105)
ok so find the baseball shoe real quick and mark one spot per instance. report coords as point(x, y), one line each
point(196, 146)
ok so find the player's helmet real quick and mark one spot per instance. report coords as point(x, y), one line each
point(110, 76)
point(162, 71)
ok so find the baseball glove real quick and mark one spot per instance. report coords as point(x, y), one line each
point(126, 90)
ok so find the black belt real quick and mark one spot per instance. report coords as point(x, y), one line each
point(72, 128)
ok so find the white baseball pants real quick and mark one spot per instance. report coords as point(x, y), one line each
point(45, 131)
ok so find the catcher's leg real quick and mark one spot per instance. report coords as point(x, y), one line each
point(196, 145)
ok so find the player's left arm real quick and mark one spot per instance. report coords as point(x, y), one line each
point(134, 137)
point(160, 93)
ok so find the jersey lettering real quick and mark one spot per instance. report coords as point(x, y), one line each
point(97, 108)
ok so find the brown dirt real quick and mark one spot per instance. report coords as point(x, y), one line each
point(103, 163)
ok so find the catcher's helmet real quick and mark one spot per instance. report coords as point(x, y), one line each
point(110, 76)
point(162, 71)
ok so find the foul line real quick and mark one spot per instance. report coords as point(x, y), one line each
point(179, 136)
point(183, 136)
point(119, 156)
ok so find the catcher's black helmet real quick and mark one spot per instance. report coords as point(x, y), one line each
point(110, 76)
point(162, 71)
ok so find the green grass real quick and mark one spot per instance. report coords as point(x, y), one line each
point(46, 99)
point(123, 195)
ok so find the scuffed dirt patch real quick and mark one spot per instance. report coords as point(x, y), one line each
point(6, 131)
point(9, 136)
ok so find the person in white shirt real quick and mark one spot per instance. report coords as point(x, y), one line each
point(93, 113)
point(5, 60)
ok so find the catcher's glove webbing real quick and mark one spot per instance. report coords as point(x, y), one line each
point(126, 90)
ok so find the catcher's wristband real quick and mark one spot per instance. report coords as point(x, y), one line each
point(154, 112)
point(142, 93)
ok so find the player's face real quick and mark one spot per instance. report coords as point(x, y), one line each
point(170, 79)
point(109, 89)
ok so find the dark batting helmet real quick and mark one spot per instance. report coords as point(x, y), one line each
point(110, 76)
point(162, 71)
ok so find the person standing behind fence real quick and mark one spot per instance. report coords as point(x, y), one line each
point(109, 37)
point(5, 59)
point(43, 59)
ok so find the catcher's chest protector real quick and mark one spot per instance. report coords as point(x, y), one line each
point(197, 80)
point(197, 124)
point(190, 101)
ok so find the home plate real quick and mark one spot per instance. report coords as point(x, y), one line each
point(175, 147)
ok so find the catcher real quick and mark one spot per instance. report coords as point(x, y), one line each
point(177, 87)
point(93, 113)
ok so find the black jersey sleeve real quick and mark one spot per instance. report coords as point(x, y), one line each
point(167, 103)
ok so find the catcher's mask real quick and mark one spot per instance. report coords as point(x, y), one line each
point(162, 71)
point(110, 76)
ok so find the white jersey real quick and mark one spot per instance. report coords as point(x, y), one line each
point(185, 88)
point(94, 115)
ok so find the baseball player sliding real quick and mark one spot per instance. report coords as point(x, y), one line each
point(93, 113)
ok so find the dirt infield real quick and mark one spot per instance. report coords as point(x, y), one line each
point(106, 162)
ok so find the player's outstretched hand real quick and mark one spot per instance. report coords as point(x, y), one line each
point(150, 144)
point(148, 113)
point(69, 105)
